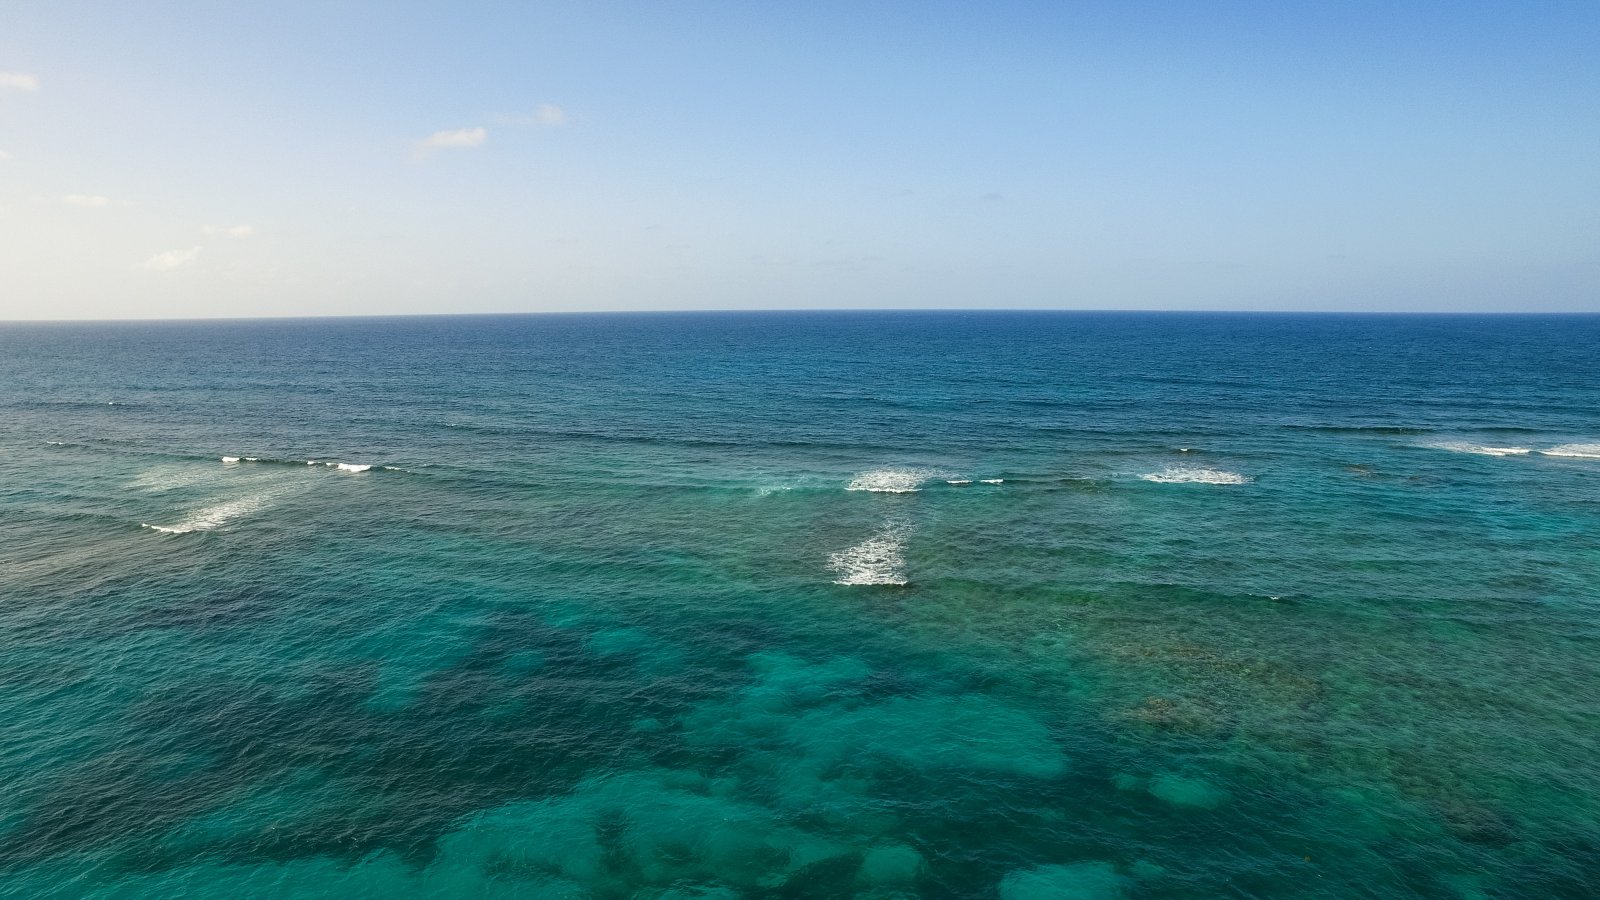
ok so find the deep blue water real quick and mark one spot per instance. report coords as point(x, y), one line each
point(1013, 605)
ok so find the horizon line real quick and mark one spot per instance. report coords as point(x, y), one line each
point(793, 311)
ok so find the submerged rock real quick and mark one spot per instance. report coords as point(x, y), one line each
point(793, 704)
point(1145, 870)
point(892, 864)
point(665, 827)
point(967, 732)
point(1180, 790)
point(1077, 881)
point(1175, 714)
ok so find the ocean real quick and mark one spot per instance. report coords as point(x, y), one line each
point(943, 604)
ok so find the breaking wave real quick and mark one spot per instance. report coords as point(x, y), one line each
point(341, 466)
point(1579, 451)
point(1478, 449)
point(891, 481)
point(1185, 475)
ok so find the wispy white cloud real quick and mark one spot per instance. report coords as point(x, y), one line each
point(172, 259)
point(233, 231)
point(87, 201)
point(4, 156)
point(545, 115)
point(18, 81)
point(458, 137)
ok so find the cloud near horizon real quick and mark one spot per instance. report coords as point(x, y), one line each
point(18, 81)
point(172, 259)
point(458, 137)
point(87, 201)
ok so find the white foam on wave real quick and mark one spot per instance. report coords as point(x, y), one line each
point(1478, 449)
point(1577, 451)
point(343, 467)
point(993, 481)
point(877, 560)
point(214, 517)
point(959, 481)
point(230, 459)
point(891, 481)
point(1187, 475)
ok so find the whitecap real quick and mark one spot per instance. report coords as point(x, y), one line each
point(1186, 475)
point(1579, 451)
point(993, 481)
point(959, 481)
point(1478, 449)
point(213, 517)
point(351, 467)
point(876, 560)
point(230, 459)
point(890, 481)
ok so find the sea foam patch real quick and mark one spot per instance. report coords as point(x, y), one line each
point(1478, 449)
point(1190, 475)
point(879, 559)
point(891, 481)
point(216, 516)
point(166, 478)
point(1576, 451)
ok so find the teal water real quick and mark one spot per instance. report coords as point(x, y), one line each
point(801, 605)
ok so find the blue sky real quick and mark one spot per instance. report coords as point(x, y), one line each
point(240, 159)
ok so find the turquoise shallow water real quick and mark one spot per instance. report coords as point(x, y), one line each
point(801, 605)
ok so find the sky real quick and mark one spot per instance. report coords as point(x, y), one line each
point(176, 159)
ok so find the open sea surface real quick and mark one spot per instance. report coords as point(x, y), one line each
point(994, 605)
